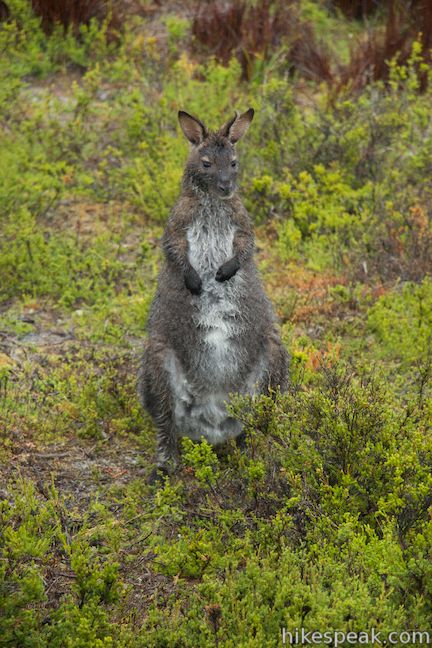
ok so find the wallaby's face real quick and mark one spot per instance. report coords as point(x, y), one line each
point(212, 164)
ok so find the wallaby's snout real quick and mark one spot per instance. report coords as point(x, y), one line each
point(226, 183)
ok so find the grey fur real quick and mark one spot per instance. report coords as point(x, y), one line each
point(211, 329)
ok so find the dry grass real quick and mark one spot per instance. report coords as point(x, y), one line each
point(407, 21)
point(73, 13)
point(227, 29)
point(224, 29)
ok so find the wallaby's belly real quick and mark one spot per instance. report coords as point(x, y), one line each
point(200, 410)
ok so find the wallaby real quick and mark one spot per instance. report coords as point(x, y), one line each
point(211, 328)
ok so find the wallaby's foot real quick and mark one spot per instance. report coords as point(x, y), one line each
point(157, 476)
point(241, 441)
point(228, 269)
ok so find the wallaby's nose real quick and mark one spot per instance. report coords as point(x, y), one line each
point(224, 187)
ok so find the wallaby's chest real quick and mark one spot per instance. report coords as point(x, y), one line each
point(210, 239)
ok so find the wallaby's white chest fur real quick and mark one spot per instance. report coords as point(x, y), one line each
point(210, 239)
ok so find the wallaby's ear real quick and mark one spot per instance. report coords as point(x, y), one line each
point(193, 129)
point(225, 129)
point(237, 127)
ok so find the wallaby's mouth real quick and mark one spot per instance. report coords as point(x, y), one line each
point(225, 194)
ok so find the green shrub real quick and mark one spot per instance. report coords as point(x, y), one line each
point(402, 321)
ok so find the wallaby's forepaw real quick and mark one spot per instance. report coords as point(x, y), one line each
point(157, 476)
point(228, 269)
point(193, 281)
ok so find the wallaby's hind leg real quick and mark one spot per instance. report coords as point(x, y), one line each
point(155, 394)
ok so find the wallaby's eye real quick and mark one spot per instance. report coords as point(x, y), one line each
point(206, 164)
point(234, 163)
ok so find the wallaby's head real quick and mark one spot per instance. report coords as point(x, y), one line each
point(212, 165)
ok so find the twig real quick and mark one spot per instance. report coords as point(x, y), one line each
point(51, 455)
